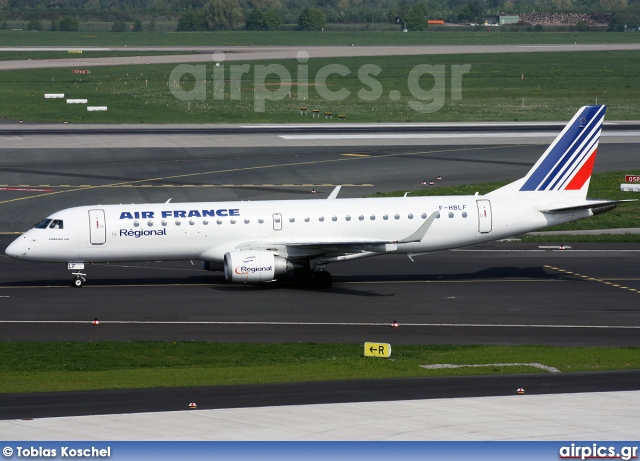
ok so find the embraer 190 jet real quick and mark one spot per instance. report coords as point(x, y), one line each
point(261, 241)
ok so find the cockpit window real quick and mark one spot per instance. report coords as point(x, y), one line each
point(56, 224)
point(43, 224)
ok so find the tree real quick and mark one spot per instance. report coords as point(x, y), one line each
point(192, 20)
point(613, 5)
point(473, 11)
point(416, 18)
point(272, 20)
point(34, 24)
point(255, 21)
point(69, 24)
point(137, 25)
point(311, 19)
point(224, 14)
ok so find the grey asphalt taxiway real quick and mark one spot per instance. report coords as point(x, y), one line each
point(499, 293)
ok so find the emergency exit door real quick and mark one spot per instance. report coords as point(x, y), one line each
point(277, 221)
point(97, 226)
point(484, 216)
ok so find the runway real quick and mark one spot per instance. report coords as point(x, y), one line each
point(499, 293)
point(226, 54)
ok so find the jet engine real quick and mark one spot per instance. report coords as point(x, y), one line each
point(254, 266)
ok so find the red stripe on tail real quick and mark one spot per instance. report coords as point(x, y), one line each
point(584, 174)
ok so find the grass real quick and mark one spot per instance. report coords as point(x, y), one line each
point(554, 86)
point(360, 38)
point(602, 186)
point(66, 366)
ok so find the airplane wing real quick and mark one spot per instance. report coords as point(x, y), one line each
point(347, 246)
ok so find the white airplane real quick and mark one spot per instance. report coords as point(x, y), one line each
point(261, 241)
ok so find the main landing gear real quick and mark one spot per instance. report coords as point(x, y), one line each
point(317, 278)
point(321, 279)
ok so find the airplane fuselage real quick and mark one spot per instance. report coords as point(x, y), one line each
point(208, 230)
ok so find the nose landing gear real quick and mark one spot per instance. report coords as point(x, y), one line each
point(78, 279)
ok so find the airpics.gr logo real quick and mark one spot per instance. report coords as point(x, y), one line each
point(275, 82)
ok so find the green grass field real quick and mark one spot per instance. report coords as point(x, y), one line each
point(45, 367)
point(523, 86)
point(362, 38)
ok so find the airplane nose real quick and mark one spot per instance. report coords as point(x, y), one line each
point(18, 248)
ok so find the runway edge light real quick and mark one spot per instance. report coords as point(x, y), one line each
point(377, 350)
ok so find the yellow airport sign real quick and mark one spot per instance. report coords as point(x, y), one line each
point(377, 350)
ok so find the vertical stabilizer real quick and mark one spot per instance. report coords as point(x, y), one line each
point(567, 163)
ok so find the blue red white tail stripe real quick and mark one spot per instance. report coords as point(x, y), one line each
point(568, 162)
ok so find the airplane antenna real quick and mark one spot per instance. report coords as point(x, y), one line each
point(405, 194)
point(168, 201)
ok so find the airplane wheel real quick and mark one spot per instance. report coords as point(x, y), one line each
point(77, 282)
point(322, 279)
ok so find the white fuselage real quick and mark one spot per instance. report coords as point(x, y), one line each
point(207, 230)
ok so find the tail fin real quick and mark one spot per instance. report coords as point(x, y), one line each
point(567, 163)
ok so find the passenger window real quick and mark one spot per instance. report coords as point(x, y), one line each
point(348, 218)
point(410, 216)
point(292, 219)
point(396, 216)
point(246, 220)
point(260, 220)
point(464, 214)
point(451, 214)
point(423, 215)
point(164, 222)
point(150, 223)
point(306, 219)
point(191, 222)
point(334, 218)
point(178, 222)
point(361, 218)
point(136, 224)
point(321, 218)
point(205, 222)
point(385, 216)
point(233, 221)
point(372, 217)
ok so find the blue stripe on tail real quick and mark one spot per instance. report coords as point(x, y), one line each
point(569, 151)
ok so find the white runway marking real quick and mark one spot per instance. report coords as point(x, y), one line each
point(343, 324)
point(456, 135)
point(437, 366)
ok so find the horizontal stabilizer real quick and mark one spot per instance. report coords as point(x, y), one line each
point(586, 206)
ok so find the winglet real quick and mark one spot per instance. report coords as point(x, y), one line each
point(334, 194)
point(422, 230)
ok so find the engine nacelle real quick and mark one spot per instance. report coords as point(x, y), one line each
point(254, 266)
